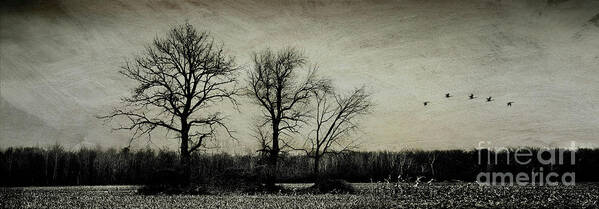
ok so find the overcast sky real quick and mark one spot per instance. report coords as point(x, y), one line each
point(59, 62)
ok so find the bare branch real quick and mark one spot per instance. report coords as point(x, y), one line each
point(335, 117)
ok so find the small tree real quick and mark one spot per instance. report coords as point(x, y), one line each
point(335, 117)
point(179, 77)
point(275, 85)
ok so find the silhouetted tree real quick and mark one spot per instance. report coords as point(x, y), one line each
point(336, 117)
point(277, 87)
point(179, 77)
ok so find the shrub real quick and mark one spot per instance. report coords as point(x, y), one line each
point(170, 182)
point(157, 189)
point(236, 179)
point(166, 177)
point(334, 186)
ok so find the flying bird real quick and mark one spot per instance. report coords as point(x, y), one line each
point(447, 95)
point(426, 103)
point(489, 99)
point(509, 104)
point(471, 96)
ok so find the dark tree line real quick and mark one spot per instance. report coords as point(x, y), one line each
point(56, 166)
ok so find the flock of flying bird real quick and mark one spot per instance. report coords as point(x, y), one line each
point(489, 99)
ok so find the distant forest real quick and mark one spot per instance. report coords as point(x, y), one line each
point(33, 166)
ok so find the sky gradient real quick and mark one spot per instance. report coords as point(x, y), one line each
point(59, 61)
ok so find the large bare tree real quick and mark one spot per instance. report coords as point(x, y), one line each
point(335, 117)
point(278, 86)
point(179, 77)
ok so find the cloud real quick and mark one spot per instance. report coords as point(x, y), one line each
point(58, 61)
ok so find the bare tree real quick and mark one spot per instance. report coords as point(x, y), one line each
point(336, 117)
point(179, 78)
point(433, 158)
point(277, 87)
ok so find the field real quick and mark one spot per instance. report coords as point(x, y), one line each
point(376, 195)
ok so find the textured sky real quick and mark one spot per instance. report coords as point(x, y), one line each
point(59, 62)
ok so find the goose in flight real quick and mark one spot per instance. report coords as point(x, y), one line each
point(489, 99)
point(447, 95)
point(471, 96)
point(509, 104)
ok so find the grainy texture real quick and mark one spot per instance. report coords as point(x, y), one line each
point(59, 61)
point(370, 196)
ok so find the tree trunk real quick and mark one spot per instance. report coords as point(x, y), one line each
point(316, 171)
point(55, 170)
point(185, 159)
point(433, 165)
point(271, 177)
point(46, 156)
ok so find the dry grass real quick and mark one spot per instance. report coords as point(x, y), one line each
point(381, 195)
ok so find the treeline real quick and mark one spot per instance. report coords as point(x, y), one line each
point(55, 166)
